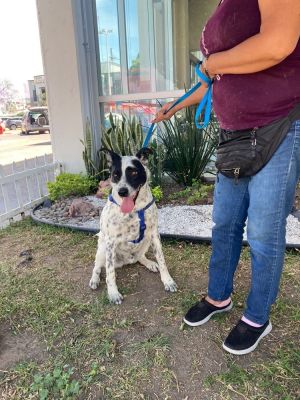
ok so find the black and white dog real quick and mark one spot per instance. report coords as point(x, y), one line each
point(128, 224)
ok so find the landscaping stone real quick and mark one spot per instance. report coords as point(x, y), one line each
point(187, 222)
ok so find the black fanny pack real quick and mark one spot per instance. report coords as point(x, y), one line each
point(244, 153)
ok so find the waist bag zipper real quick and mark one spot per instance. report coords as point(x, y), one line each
point(236, 173)
point(253, 142)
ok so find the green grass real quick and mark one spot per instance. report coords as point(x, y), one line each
point(94, 350)
point(276, 380)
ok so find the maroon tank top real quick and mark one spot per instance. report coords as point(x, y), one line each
point(248, 100)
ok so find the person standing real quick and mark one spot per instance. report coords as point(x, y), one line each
point(252, 52)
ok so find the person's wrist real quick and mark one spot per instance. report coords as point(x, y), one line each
point(207, 68)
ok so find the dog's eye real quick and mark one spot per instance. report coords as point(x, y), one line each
point(134, 173)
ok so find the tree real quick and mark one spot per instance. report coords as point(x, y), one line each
point(7, 92)
point(10, 107)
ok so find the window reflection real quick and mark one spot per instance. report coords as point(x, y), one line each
point(138, 46)
point(159, 43)
point(109, 48)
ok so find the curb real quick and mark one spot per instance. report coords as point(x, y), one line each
point(193, 239)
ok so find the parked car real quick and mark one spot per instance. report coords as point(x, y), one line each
point(13, 123)
point(35, 119)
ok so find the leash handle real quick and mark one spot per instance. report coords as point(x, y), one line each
point(204, 104)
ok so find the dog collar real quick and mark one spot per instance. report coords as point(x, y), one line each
point(141, 215)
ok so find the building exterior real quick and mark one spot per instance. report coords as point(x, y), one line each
point(114, 56)
point(37, 90)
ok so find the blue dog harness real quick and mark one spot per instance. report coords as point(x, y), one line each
point(141, 215)
point(205, 104)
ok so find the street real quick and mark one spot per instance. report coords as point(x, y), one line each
point(16, 147)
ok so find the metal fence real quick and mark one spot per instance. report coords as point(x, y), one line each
point(23, 184)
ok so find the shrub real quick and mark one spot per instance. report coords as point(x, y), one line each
point(188, 149)
point(157, 193)
point(193, 194)
point(67, 184)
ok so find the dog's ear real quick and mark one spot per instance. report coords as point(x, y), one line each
point(143, 154)
point(111, 157)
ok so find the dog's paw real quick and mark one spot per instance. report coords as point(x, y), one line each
point(170, 286)
point(115, 297)
point(152, 266)
point(94, 283)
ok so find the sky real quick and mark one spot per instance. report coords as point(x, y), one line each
point(108, 20)
point(19, 42)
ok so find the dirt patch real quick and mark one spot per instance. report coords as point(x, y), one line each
point(19, 347)
point(140, 348)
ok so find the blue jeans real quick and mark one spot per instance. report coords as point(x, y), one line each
point(266, 199)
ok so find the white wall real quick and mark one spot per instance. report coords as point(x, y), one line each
point(61, 68)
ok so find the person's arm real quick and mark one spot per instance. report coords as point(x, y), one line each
point(277, 39)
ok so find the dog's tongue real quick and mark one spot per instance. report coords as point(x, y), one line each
point(127, 205)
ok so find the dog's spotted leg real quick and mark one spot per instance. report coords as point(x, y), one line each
point(112, 290)
point(99, 263)
point(166, 278)
point(151, 265)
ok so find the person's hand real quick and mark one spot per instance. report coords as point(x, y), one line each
point(163, 114)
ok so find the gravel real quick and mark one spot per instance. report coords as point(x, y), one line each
point(188, 221)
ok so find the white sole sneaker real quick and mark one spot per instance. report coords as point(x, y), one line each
point(203, 321)
point(253, 347)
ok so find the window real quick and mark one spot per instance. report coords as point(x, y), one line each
point(147, 47)
point(34, 96)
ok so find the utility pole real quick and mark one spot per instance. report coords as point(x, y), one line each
point(106, 32)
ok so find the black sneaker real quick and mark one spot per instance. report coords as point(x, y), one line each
point(244, 338)
point(202, 311)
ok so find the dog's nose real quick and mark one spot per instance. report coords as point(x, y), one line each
point(123, 192)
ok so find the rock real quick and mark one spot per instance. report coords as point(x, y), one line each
point(103, 189)
point(47, 203)
point(80, 207)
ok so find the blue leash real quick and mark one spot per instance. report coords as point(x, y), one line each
point(205, 104)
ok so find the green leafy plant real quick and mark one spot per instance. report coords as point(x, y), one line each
point(193, 194)
point(124, 137)
point(188, 149)
point(156, 162)
point(94, 163)
point(157, 193)
point(56, 384)
point(67, 184)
